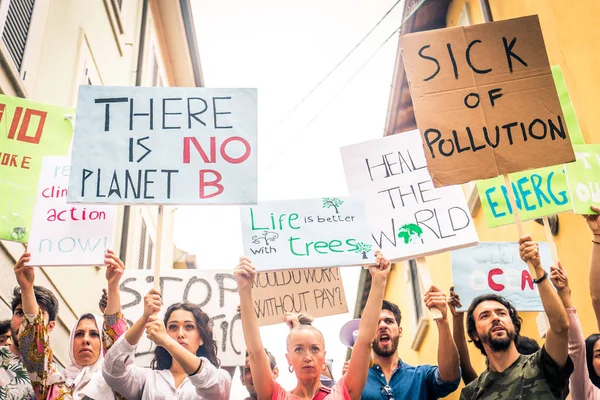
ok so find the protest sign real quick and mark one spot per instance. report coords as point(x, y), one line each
point(318, 292)
point(143, 145)
point(63, 234)
point(584, 178)
point(30, 131)
point(409, 217)
point(495, 267)
point(567, 107)
point(324, 232)
point(484, 100)
point(546, 187)
point(214, 290)
point(538, 193)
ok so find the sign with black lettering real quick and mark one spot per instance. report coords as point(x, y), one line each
point(318, 292)
point(148, 145)
point(409, 218)
point(484, 100)
point(322, 232)
point(214, 290)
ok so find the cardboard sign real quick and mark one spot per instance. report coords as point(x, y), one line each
point(584, 178)
point(324, 232)
point(495, 267)
point(30, 131)
point(484, 100)
point(63, 234)
point(149, 145)
point(214, 290)
point(318, 292)
point(546, 188)
point(409, 217)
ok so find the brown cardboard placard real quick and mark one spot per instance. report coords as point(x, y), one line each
point(318, 292)
point(484, 100)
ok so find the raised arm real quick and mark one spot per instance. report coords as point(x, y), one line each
point(114, 321)
point(358, 370)
point(33, 338)
point(448, 360)
point(157, 332)
point(557, 336)
point(593, 221)
point(152, 304)
point(460, 340)
point(245, 273)
point(580, 384)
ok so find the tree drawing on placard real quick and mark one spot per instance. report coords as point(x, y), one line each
point(410, 232)
point(19, 233)
point(268, 237)
point(334, 202)
point(363, 248)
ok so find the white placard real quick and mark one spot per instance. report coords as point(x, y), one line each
point(408, 216)
point(214, 290)
point(495, 267)
point(66, 234)
point(149, 145)
point(323, 232)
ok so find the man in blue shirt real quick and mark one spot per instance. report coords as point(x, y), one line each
point(390, 378)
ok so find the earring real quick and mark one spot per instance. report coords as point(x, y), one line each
point(291, 369)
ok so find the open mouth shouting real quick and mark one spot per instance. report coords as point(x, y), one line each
point(385, 339)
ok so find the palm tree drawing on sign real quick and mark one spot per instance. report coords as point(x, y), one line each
point(266, 236)
point(363, 248)
point(334, 202)
point(410, 232)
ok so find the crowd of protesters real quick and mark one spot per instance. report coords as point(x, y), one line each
point(186, 363)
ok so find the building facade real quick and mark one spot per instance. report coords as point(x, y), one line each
point(50, 47)
point(572, 40)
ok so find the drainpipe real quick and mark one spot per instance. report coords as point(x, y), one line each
point(485, 9)
point(138, 82)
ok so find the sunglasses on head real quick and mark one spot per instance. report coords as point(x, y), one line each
point(387, 391)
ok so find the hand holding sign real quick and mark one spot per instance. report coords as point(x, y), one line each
point(559, 278)
point(530, 253)
point(244, 274)
point(454, 303)
point(436, 299)
point(156, 331)
point(593, 220)
point(381, 269)
point(114, 268)
point(152, 303)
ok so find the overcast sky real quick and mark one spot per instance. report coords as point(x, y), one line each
point(284, 48)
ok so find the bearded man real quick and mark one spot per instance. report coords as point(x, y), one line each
point(493, 325)
point(391, 378)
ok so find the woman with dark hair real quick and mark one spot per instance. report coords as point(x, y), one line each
point(306, 347)
point(185, 365)
point(592, 355)
point(90, 338)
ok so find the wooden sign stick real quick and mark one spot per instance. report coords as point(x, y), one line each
point(550, 240)
point(427, 283)
point(513, 204)
point(157, 252)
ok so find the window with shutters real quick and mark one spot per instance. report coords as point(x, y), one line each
point(115, 10)
point(419, 319)
point(22, 26)
point(16, 29)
